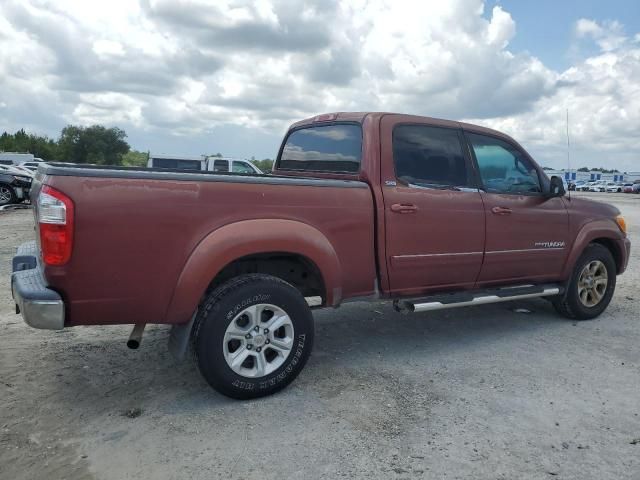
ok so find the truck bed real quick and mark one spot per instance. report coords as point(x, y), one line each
point(136, 228)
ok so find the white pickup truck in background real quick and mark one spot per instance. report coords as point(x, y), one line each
point(203, 163)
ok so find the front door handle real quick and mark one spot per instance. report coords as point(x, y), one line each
point(501, 210)
point(404, 208)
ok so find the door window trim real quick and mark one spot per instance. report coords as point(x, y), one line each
point(471, 183)
point(542, 180)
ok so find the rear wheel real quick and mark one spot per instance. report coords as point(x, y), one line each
point(591, 286)
point(7, 194)
point(252, 336)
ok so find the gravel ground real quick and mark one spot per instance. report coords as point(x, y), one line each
point(480, 392)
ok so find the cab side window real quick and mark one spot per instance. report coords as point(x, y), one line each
point(503, 168)
point(241, 167)
point(221, 166)
point(429, 156)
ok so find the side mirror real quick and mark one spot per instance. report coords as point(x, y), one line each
point(556, 187)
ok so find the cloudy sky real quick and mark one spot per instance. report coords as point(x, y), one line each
point(197, 76)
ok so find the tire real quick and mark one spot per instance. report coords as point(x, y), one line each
point(225, 336)
point(7, 194)
point(581, 307)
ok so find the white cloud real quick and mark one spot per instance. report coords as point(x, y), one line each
point(501, 29)
point(107, 108)
point(185, 66)
point(105, 48)
point(601, 93)
point(609, 36)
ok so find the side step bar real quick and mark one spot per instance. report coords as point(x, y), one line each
point(476, 297)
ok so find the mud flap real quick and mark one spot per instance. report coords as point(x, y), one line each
point(179, 338)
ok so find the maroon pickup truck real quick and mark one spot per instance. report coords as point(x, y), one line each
point(429, 213)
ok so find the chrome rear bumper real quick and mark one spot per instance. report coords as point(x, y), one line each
point(40, 306)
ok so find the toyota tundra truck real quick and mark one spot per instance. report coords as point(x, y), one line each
point(428, 213)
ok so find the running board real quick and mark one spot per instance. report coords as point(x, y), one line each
point(477, 297)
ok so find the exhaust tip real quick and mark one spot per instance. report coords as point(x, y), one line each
point(136, 336)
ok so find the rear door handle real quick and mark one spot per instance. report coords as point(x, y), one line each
point(501, 210)
point(404, 208)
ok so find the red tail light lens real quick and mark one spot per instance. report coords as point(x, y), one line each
point(55, 218)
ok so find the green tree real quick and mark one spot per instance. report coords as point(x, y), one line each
point(40, 146)
point(95, 144)
point(266, 165)
point(134, 158)
point(599, 169)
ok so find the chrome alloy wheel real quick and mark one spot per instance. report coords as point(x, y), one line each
point(592, 283)
point(258, 340)
point(5, 195)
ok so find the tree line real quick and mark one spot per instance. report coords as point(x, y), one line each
point(587, 169)
point(95, 144)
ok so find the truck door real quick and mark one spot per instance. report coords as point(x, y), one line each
point(527, 232)
point(434, 217)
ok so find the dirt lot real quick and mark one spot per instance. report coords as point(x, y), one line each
point(481, 392)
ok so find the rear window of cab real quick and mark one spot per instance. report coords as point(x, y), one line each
point(335, 148)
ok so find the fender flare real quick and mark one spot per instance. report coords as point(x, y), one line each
point(248, 237)
point(595, 229)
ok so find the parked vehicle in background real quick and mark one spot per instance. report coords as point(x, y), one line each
point(599, 186)
point(636, 188)
point(612, 187)
point(224, 165)
point(430, 213)
point(32, 166)
point(178, 162)
point(23, 170)
point(15, 158)
point(627, 188)
point(577, 185)
point(585, 186)
point(15, 185)
point(203, 163)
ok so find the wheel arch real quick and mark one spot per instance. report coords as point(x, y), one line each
point(603, 232)
point(253, 246)
point(614, 248)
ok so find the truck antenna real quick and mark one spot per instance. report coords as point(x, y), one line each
point(568, 158)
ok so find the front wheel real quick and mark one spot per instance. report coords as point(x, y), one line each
point(7, 194)
point(252, 336)
point(591, 286)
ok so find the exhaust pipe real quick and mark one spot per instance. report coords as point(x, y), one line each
point(136, 336)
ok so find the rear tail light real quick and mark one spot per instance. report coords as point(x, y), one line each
point(55, 218)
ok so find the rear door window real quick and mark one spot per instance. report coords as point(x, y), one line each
point(327, 148)
point(429, 156)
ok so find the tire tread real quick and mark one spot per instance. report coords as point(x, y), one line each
point(567, 305)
